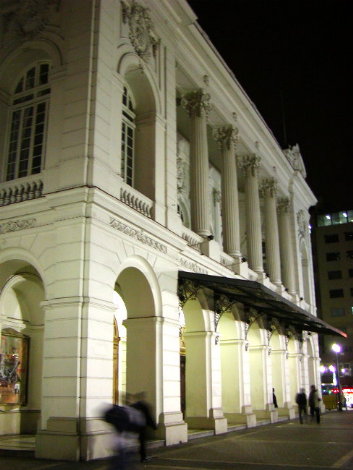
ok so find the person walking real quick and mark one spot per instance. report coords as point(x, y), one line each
point(274, 398)
point(314, 403)
point(301, 401)
point(142, 406)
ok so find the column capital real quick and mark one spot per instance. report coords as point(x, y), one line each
point(226, 136)
point(197, 102)
point(251, 161)
point(283, 204)
point(269, 187)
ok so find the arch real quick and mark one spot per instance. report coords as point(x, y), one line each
point(231, 346)
point(142, 83)
point(17, 260)
point(19, 59)
point(258, 365)
point(21, 298)
point(149, 280)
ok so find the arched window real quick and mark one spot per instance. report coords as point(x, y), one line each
point(128, 139)
point(29, 112)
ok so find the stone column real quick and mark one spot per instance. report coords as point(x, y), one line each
point(227, 139)
point(286, 248)
point(198, 106)
point(250, 165)
point(269, 192)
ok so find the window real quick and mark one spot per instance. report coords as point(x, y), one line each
point(128, 139)
point(29, 113)
point(348, 236)
point(337, 312)
point(334, 275)
point(333, 256)
point(331, 238)
point(335, 293)
point(350, 254)
point(350, 272)
point(352, 291)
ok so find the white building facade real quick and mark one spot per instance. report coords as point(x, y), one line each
point(153, 234)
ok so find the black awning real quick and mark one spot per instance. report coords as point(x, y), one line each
point(257, 296)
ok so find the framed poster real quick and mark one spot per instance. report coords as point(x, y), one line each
point(13, 367)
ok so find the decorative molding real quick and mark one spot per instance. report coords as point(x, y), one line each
point(197, 102)
point(251, 162)
point(283, 205)
point(294, 157)
point(226, 136)
point(269, 186)
point(303, 224)
point(187, 290)
point(16, 225)
point(138, 235)
point(141, 34)
point(25, 19)
point(192, 266)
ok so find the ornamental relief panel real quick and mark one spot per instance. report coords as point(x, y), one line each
point(142, 37)
point(25, 19)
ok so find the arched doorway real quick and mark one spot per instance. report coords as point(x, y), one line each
point(258, 368)
point(142, 336)
point(231, 367)
point(22, 326)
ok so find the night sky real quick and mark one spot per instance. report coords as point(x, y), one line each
point(294, 60)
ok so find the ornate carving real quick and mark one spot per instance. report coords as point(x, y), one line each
point(187, 290)
point(283, 204)
point(303, 224)
point(295, 159)
point(27, 18)
point(138, 234)
point(16, 225)
point(197, 102)
point(269, 186)
point(222, 304)
point(226, 136)
point(180, 175)
point(192, 266)
point(141, 34)
point(251, 162)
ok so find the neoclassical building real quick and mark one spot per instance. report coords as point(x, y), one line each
point(153, 234)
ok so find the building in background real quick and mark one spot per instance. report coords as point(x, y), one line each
point(333, 248)
point(153, 234)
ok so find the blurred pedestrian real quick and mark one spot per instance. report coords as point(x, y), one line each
point(127, 422)
point(144, 408)
point(301, 401)
point(314, 403)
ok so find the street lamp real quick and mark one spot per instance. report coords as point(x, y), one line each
point(337, 349)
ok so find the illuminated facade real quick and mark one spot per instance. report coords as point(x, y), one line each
point(333, 241)
point(153, 235)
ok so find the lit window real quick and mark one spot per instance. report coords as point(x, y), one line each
point(128, 139)
point(28, 123)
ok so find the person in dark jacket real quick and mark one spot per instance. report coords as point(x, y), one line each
point(144, 408)
point(301, 401)
point(314, 403)
point(274, 399)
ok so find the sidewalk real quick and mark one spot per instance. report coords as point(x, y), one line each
point(285, 445)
